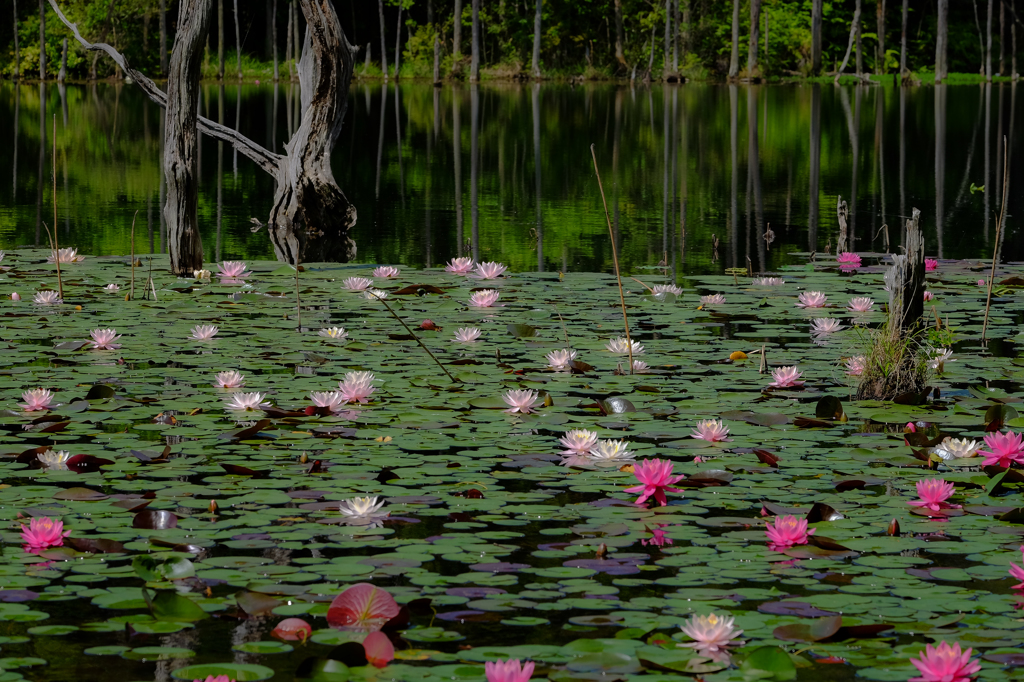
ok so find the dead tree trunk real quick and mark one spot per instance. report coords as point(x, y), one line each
point(941, 39)
point(42, 42)
point(535, 66)
point(620, 54)
point(238, 44)
point(816, 11)
point(181, 138)
point(383, 42)
point(63, 62)
point(220, 39)
point(843, 215)
point(849, 45)
point(17, 49)
point(734, 58)
point(905, 279)
point(474, 65)
point(755, 36)
point(880, 32)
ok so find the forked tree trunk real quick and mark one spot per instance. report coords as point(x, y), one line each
point(849, 45)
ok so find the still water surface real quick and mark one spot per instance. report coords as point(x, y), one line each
point(504, 172)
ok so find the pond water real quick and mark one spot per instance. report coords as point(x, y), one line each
point(504, 172)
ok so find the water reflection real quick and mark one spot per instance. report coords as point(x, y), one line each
point(674, 157)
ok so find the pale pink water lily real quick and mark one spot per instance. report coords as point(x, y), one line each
point(460, 266)
point(112, 287)
point(933, 493)
point(786, 377)
point(655, 476)
point(68, 255)
point(230, 379)
point(812, 299)
point(467, 334)
point(711, 430)
point(578, 442)
point(640, 367)
point(938, 359)
point(713, 299)
point(203, 332)
point(1017, 572)
point(520, 401)
point(37, 399)
point(1004, 449)
point(232, 269)
point(856, 365)
point(787, 531)
point(666, 289)
point(957, 448)
point(768, 281)
point(357, 283)
point(375, 294)
point(360, 511)
point(54, 461)
point(611, 452)
point(357, 387)
point(43, 532)
point(484, 299)
point(332, 400)
point(103, 339)
point(848, 261)
point(620, 346)
point(560, 360)
point(489, 270)
point(336, 333)
point(15, 296)
point(247, 401)
point(386, 271)
point(508, 671)
point(860, 304)
point(711, 635)
point(928, 296)
point(930, 264)
point(825, 325)
point(945, 663)
point(47, 298)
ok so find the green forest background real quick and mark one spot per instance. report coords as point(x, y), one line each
point(578, 37)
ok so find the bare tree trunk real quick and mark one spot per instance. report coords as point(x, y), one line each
point(880, 32)
point(383, 42)
point(220, 38)
point(238, 44)
point(988, 44)
point(273, 40)
point(734, 59)
point(398, 45)
point(620, 52)
point(1002, 37)
point(849, 46)
point(675, 38)
point(685, 36)
point(981, 38)
point(1013, 43)
point(941, 39)
point(17, 49)
point(860, 51)
point(288, 42)
point(535, 66)
point(42, 42)
point(474, 68)
point(63, 62)
point(457, 37)
point(180, 138)
point(755, 37)
point(668, 33)
point(437, 59)
point(903, 47)
point(816, 37)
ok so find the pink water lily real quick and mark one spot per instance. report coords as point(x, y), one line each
point(655, 476)
point(945, 663)
point(787, 531)
point(467, 334)
point(232, 269)
point(928, 296)
point(711, 635)
point(768, 281)
point(786, 377)
point(484, 299)
point(713, 299)
point(37, 399)
point(15, 296)
point(203, 332)
point(357, 387)
point(860, 304)
point(812, 299)
point(578, 442)
point(386, 271)
point(247, 401)
point(1017, 572)
point(460, 266)
point(561, 360)
point(357, 283)
point(112, 287)
point(930, 264)
point(848, 261)
point(711, 430)
point(332, 400)
point(508, 671)
point(659, 538)
point(1004, 449)
point(666, 289)
point(489, 270)
point(43, 532)
point(68, 255)
point(933, 493)
point(520, 401)
point(230, 379)
point(103, 339)
point(856, 365)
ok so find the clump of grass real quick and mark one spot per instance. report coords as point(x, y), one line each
point(895, 364)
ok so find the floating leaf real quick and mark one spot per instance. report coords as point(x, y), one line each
point(362, 607)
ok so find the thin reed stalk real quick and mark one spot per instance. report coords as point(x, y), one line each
point(995, 249)
point(133, 252)
point(615, 258)
point(416, 338)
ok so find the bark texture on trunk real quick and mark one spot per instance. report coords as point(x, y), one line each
point(42, 41)
point(880, 33)
point(63, 62)
point(398, 40)
point(734, 59)
point(854, 35)
point(816, 9)
point(163, 37)
point(620, 52)
point(474, 67)
point(903, 42)
point(941, 39)
point(17, 49)
point(220, 39)
point(457, 36)
point(535, 66)
point(755, 36)
point(988, 43)
point(238, 44)
point(181, 138)
point(383, 42)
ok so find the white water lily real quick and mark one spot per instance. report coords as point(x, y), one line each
point(609, 452)
point(363, 511)
point(559, 360)
point(939, 357)
point(55, 461)
point(666, 289)
point(957, 448)
point(337, 333)
point(375, 294)
point(620, 346)
point(247, 401)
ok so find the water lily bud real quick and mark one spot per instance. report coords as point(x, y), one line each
point(213, 506)
point(737, 355)
point(893, 529)
point(303, 458)
point(15, 296)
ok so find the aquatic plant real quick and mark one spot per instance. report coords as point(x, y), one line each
point(484, 299)
point(1004, 449)
point(230, 379)
point(1017, 572)
point(938, 357)
point(620, 346)
point(655, 476)
point(768, 281)
point(611, 452)
point(860, 304)
point(47, 297)
point(508, 671)
point(246, 401)
point(231, 269)
point(931, 264)
point(933, 493)
point(357, 283)
point(811, 299)
point(67, 255)
point(489, 270)
point(362, 510)
point(103, 339)
point(855, 365)
point(666, 289)
point(945, 663)
point(54, 461)
point(711, 430)
point(711, 634)
point(386, 271)
point(560, 360)
point(520, 401)
point(848, 261)
point(787, 531)
point(578, 442)
point(331, 400)
point(112, 287)
point(825, 325)
point(712, 299)
point(204, 332)
point(467, 334)
point(786, 377)
point(43, 532)
point(460, 266)
point(357, 387)
point(336, 333)
point(37, 399)
point(957, 448)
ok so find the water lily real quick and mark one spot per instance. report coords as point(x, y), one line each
point(930, 264)
point(711, 635)
point(933, 493)
point(578, 442)
point(659, 538)
point(938, 359)
point(860, 304)
point(103, 339)
point(812, 299)
point(611, 452)
point(786, 377)
point(1018, 572)
point(928, 296)
point(620, 346)
point(375, 294)
point(357, 387)
point(666, 289)
point(230, 379)
point(825, 325)
point(43, 532)
point(848, 261)
point(467, 334)
point(520, 401)
point(957, 448)
point(37, 399)
point(713, 299)
point(203, 332)
point(112, 287)
point(460, 266)
point(655, 476)
point(15, 296)
point(856, 365)
point(787, 531)
point(768, 281)
point(68, 255)
point(560, 360)
point(47, 297)
point(1004, 449)
point(357, 283)
point(201, 274)
point(336, 333)
point(508, 671)
point(640, 367)
point(484, 299)
point(247, 401)
point(945, 663)
point(489, 270)
point(332, 400)
point(232, 269)
point(386, 271)
point(54, 461)
point(711, 430)
point(361, 511)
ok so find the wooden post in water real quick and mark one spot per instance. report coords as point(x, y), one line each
point(905, 280)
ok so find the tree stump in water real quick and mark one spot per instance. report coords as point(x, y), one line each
point(894, 366)
point(842, 213)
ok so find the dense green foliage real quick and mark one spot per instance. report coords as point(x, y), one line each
point(578, 36)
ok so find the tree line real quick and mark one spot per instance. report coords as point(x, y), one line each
point(472, 39)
